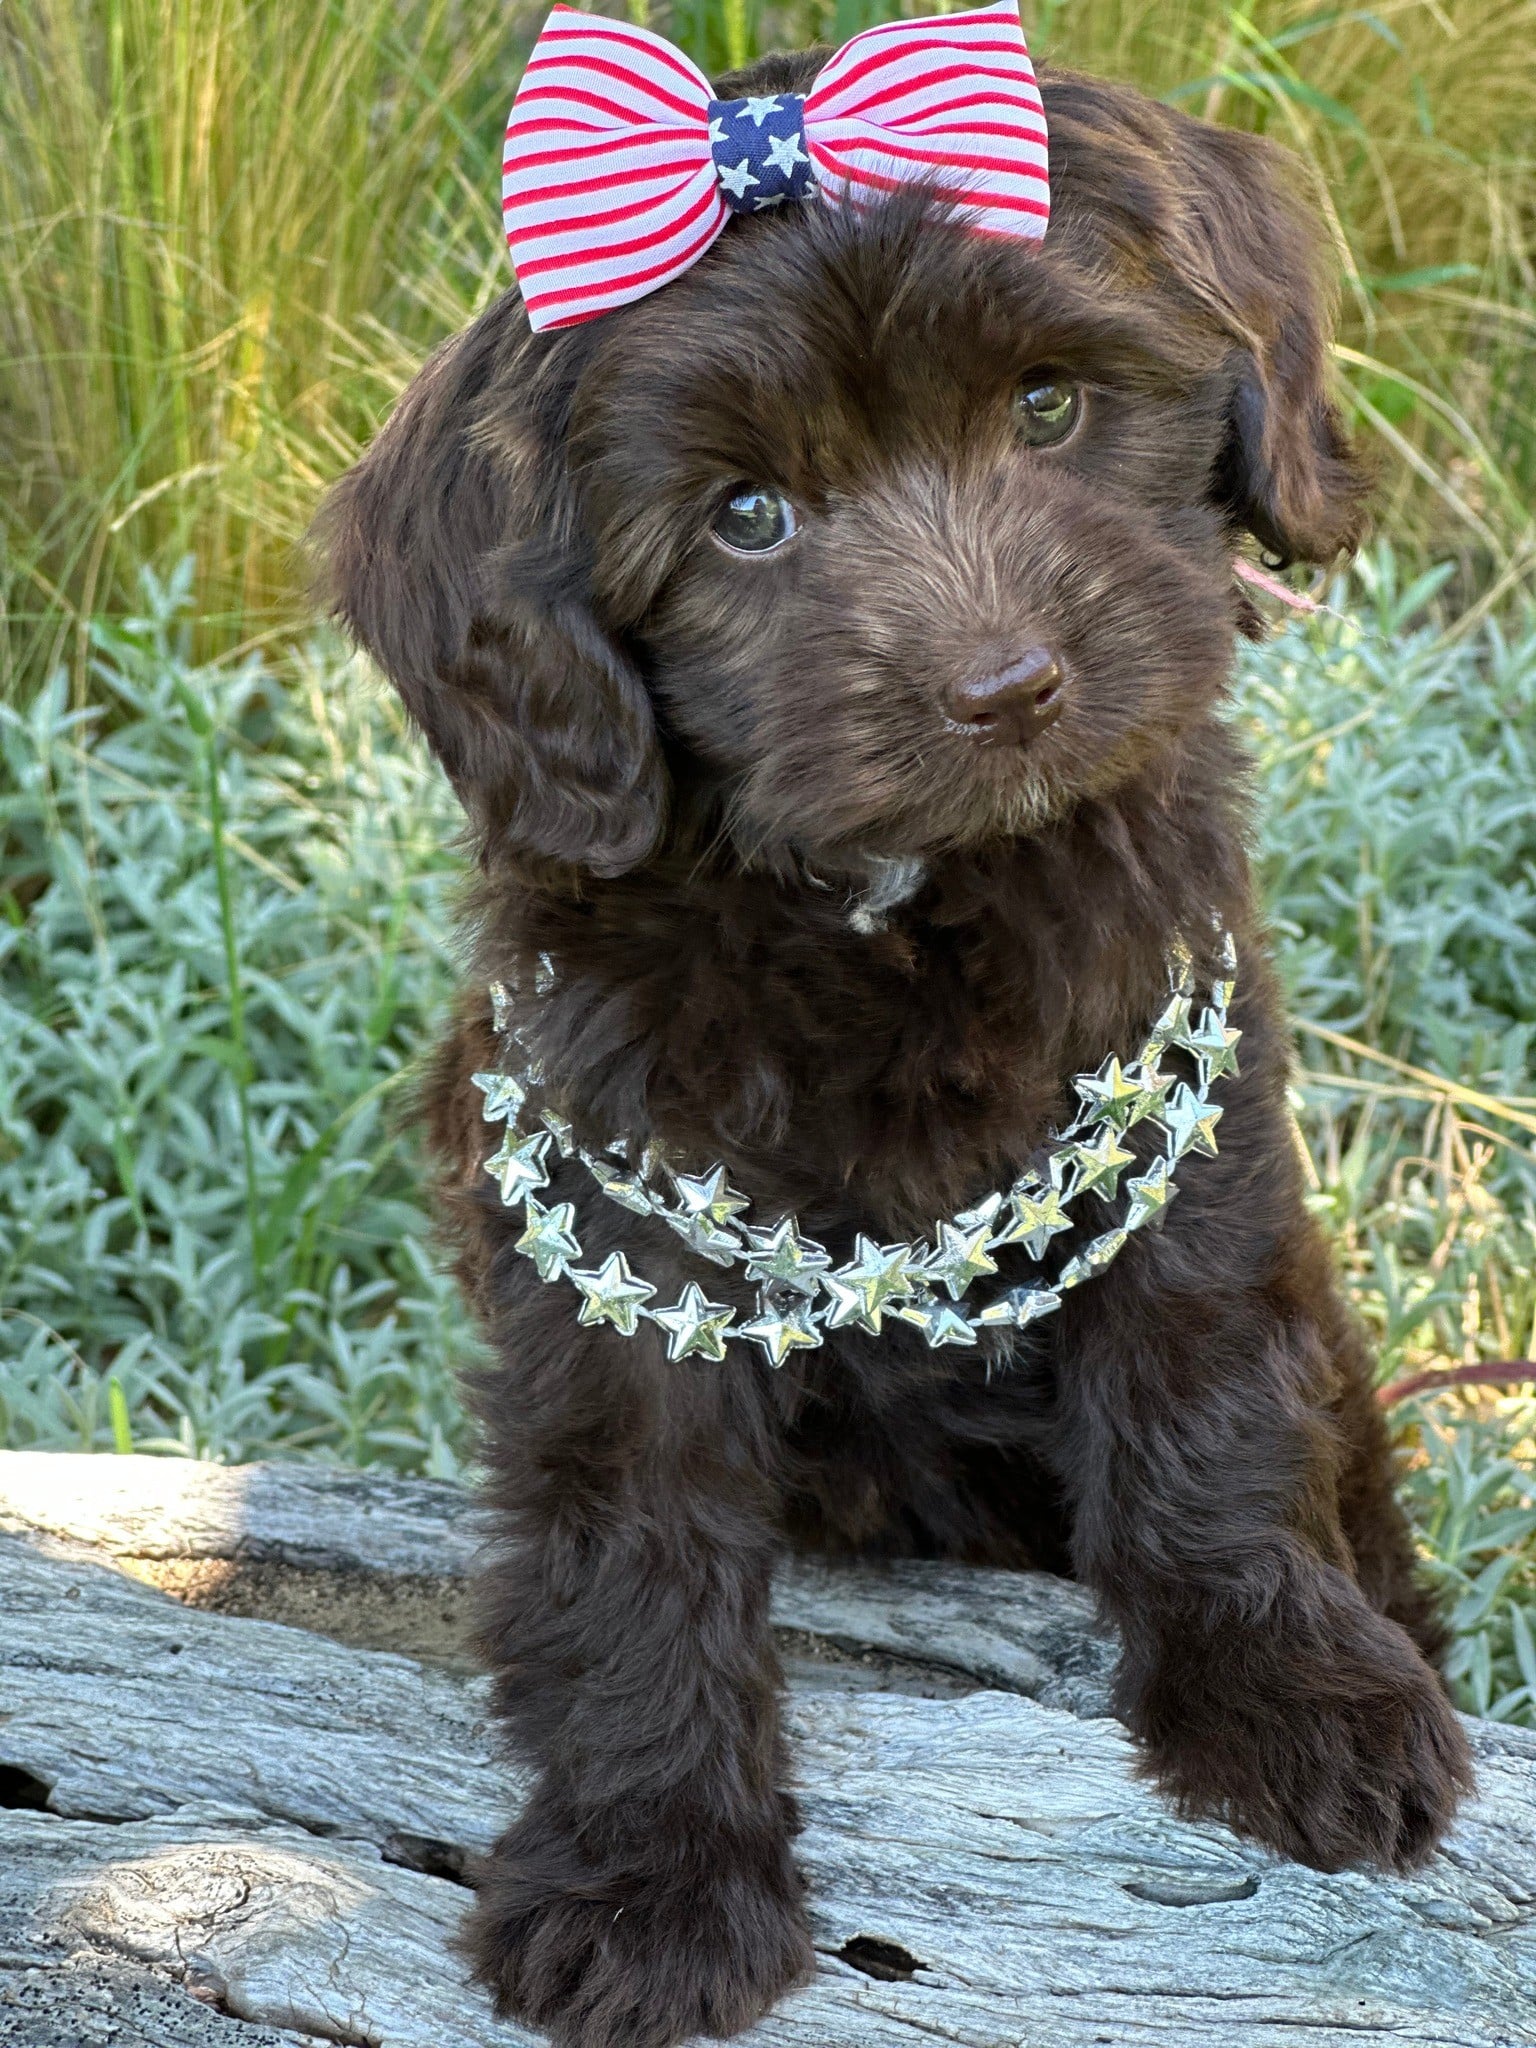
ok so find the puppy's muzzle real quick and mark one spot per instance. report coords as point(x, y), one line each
point(1012, 705)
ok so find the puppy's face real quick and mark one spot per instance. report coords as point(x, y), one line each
point(872, 535)
point(915, 534)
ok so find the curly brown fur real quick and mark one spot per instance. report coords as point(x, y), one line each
point(682, 771)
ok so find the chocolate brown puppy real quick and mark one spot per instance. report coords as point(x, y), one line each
point(847, 853)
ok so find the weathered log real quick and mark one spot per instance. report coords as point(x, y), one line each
point(361, 1556)
point(385, 1563)
point(225, 1832)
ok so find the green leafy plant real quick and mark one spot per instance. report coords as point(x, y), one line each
point(1398, 851)
point(223, 909)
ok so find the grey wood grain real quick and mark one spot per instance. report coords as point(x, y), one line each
point(242, 1921)
point(125, 1704)
point(257, 1835)
point(385, 1563)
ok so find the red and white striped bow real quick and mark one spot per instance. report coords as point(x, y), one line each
point(621, 166)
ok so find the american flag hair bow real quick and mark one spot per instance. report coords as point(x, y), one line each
point(621, 167)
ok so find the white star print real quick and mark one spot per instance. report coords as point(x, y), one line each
point(761, 109)
point(716, 132)
point(736, 177)
point(784, 152)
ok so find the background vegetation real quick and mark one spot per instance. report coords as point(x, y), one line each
point(229, 232)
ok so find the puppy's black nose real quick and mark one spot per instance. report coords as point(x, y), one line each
point(1011, 705)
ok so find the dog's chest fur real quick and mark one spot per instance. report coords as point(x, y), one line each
point(872, 1077)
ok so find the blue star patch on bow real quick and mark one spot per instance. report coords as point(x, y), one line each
point(759, 150)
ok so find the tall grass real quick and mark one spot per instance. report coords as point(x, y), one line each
point(230, 230)
point(215, 220)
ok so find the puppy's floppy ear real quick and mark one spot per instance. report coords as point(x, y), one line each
point(1246, 236)
point(450, 554)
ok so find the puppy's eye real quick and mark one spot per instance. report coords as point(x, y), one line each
point(1046, 413)
point(754, 521)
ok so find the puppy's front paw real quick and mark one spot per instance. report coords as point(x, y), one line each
point(599, 1960)
point(1337, 1752)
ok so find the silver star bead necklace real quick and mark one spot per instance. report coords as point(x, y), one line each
point(801, 1294)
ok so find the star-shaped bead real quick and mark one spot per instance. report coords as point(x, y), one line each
point(784, 152)
point(984, 1211)
point(620, 1185)
point(653, 1158)
point(735, 177)
point(1181, 969)
point(1150, 1193)
point(519, 1165)
point(1112, 1096)
point(1093, 1258)
point(549, 1239)
point(700, 1235)
point(559, 1128)
point(781, 1327)
point(1153, 1084)
point(611, 1294)
point(961, 1257)
point(1100, 1164)
point(939, 1321)
point(504, 1096)
point(847, 1306)
point(759, 109)
point(1019, 1307)
point(708, 1195)
point(695, 1324)
point(1214, 1044)
point(707, 1203)
point(1172, 1028)
point(501, 1006)
point(783, 1254)
point(1190, 1122)
point(879, 1273)
point(1037, 1217)
point(543, 975)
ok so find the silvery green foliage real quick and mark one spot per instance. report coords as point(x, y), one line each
point(1398, 850)
point(127, 1247)
point(1398, 827)
point(1475, 1505)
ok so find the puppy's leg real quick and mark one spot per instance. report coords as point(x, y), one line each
point(1203, 1447)
point(646, 1894)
